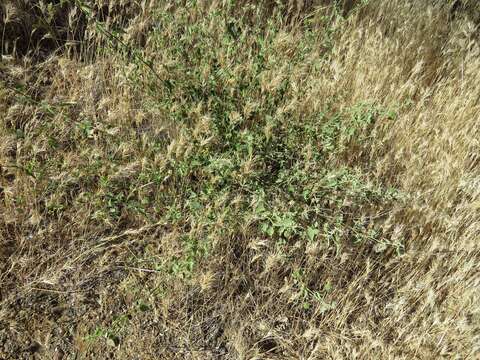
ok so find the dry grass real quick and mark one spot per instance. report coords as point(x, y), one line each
point(301, 182)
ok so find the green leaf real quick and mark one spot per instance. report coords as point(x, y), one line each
point(312, 233)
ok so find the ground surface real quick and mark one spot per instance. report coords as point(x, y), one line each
point(220, 180)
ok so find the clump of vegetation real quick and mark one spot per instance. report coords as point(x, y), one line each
point(204, 179)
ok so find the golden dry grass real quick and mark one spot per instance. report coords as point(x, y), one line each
point(119, 239)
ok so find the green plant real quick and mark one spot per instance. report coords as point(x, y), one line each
point(111, 333)
point(308, 296)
